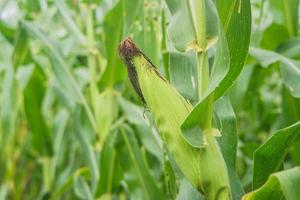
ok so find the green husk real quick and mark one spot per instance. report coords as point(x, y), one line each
point(205, 168)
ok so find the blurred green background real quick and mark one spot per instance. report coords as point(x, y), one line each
point(64, 94)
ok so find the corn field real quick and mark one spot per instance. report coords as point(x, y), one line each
point(150, 99)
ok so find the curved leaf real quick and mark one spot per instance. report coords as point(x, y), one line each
point(281, 185)
point(236, 19)
point(269, 156)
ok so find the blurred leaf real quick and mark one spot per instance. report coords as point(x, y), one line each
point(269, 156)
point(136, 171)
point(9, 102)
point(21, 52)
point(290, 69)
point(235, 16)
point(69, 22)
point(274, 35)
point(280, 185)
point(110, 171)
point(33, 98)
point(106, 111)
point(61, 71)
point(115, 28)
point(86, 146)
point(7, 31)
point(291, 12)
point(290, 48)
point(147, 134)
point(82, 189)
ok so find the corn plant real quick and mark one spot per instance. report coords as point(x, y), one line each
point(149, 99)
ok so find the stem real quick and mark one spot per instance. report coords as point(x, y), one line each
point(203, 73)
point(197, 8)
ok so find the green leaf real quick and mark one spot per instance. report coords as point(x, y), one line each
point(183, 74)
point(61, 71)
point(136, 171)
point(110, 171)
point(148, 136)
point(280, 185)
point(21, 52)
point(228, 143)
point(69, 22)
point(33, 98)
point(269, 156)
point(117, 23)
point(291, 12)
point(236, 20)
point(290, 69)
point(290, 48)
point(86, 146)
point(9, 97)
point(82, 189)
point(7, 31)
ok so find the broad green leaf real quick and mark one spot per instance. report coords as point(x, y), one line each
point(183, 74)
point(290, 69)
point(235, 15)
point(136, 170)
point(280, 185)
point(228, 143)
point(269, 156)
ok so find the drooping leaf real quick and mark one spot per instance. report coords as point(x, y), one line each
point(290, 69)
point(280, 185)
point(269, 156)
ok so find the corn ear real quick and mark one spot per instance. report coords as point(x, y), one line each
point(205, 168)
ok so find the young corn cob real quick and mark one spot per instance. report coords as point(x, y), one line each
point(205, 168)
